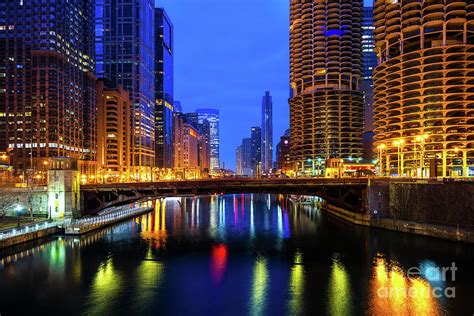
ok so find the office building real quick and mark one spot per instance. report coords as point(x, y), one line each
point(267, 133)
point(47, 84)
point(283, 149)
point(125, 55)
point(212, 116)
point(164, 94)
point(256, 151)
point(113, 133)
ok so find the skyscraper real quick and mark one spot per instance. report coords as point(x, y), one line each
point(125, 55)
point(212, 116)
point(256, 150)
point(267, 132)
point(238, 161)
point(247, 156)
point(423, 87)
point(369, 62)
point(164, 51)
point(326, 108)
point(284, 154)
point(47, 83)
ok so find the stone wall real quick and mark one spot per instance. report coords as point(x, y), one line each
point(26, 198)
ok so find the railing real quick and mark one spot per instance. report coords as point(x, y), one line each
point(26, 229)
point(89, 223)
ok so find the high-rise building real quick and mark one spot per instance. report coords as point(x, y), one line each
point(212, 116)
point(164, 51)
point(125, 55)
point(256, 150)
point(267, 133)
point(283, 154)
point(47, 83)
point(186, 148)
point(238, 161)
point(247, 156)
point(113, 133)
point(326, 108)
point(423, 87)
point(369, 62)
point(203, 128)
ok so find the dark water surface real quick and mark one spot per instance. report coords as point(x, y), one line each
point(238, 255)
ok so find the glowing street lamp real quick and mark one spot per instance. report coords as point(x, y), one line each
point(420, 139)
point(399, 143)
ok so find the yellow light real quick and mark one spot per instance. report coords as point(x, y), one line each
point(381, 146)
point(4, 156)
point(456, 149)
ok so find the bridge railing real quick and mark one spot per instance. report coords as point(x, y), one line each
point(26, 229)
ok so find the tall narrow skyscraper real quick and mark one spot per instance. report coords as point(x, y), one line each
point(47, 83)
point(125, 55)
point(164, 51)
point(326, 108)
point(212, 116)
point(267, 133)
point(256, 150)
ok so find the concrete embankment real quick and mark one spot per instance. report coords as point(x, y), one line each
point(437, 231)
point(23, 238)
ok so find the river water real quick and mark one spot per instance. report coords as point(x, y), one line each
point(238, 255)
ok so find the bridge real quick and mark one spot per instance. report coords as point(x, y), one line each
point(348, 193)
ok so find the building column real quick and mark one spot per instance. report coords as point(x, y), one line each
point(444, 163)
point(465, 171)
point(387, 165)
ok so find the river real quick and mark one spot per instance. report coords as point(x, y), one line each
point(237, 255)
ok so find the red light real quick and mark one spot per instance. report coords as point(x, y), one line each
point(218, 262)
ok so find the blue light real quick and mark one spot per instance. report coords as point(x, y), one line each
point(333, 33)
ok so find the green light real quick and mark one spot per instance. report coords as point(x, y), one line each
point(259, 287)
point(296, 290)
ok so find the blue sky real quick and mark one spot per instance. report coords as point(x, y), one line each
point(227, 54)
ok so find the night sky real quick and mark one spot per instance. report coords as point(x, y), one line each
point(227, 54)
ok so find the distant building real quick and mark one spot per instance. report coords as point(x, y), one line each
point(247, 157)
point(256, 150)
point(47, 83)
point(212, 116)
point(283, 154)
point(113, 133)
point(238, 161)
point(164, 93)
point(186, 148)
point(267, 133)
point(125, 55)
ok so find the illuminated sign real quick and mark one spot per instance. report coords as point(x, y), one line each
point(192, 133)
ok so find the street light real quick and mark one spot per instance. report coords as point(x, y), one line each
point(399, 143)
point(420, 139)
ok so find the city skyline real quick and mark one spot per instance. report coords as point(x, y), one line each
point(263, 50)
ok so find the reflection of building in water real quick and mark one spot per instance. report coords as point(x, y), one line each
point(261, 279)
point(392, 292)
point(296, 290)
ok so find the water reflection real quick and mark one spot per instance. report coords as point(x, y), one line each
point(340, 295)
point(296, 289)
point(260, 280)
point(394, 293)
point(105, 289)
point(256, 254)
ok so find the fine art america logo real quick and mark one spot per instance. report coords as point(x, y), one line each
point(436, 278)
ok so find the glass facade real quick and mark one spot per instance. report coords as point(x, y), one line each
point(125, 55)
point(267, 132)
point(164, 50)
point(212, 115)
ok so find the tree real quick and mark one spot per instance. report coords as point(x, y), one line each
point(6, 202)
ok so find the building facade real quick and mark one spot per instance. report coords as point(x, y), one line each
point(186, 149)
point(424, 87)
point(369, 62)
point(125, 55)
point(238, 161)
point(212, 116)
point(47, 84)
point(326, 108)
point(164, 92)
point(256, 151)
point(113, 133)
point(267, 133)
point(283, 149)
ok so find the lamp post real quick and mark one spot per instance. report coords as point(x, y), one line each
point(380, 148)
point(420, 139)
point(399, 143)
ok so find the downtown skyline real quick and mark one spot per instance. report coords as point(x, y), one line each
point(251, 59)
